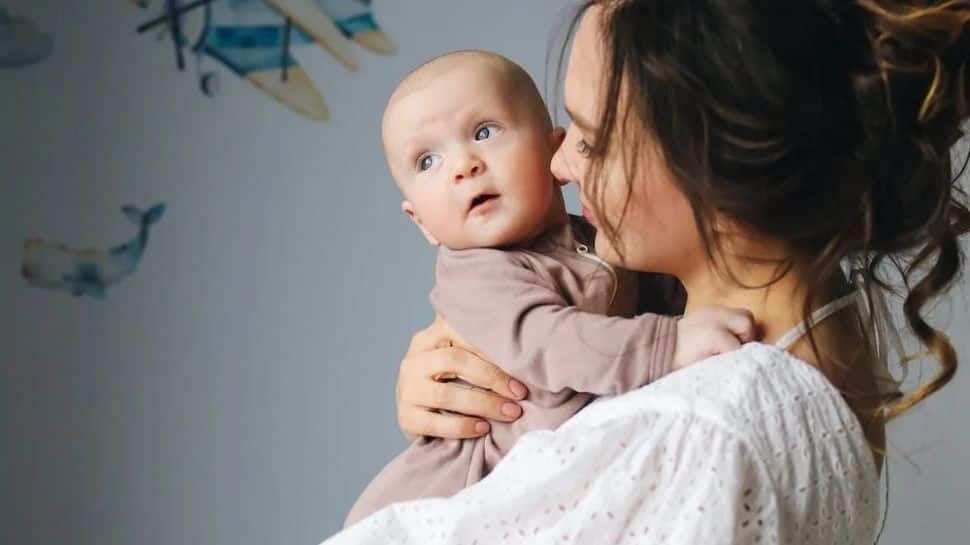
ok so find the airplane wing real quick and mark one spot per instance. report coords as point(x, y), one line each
point(307, 15)
point(257, 53)
point(252, 41)
point(356, 21)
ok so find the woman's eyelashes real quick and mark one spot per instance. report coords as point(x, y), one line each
point(583, 148)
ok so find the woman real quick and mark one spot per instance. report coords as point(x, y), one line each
point(749, 150)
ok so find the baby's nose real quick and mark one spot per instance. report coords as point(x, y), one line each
point(469, 169)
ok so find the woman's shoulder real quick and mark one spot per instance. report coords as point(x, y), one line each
point(772, 401)
point(750, 384)
point(735, 387)
point(791, 425)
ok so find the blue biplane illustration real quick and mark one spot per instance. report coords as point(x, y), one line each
point(252, 38)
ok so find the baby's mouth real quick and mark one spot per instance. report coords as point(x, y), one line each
point(481, 199)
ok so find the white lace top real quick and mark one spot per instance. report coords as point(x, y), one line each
point(750, 447)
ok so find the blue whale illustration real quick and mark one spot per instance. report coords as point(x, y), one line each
point(88, 271)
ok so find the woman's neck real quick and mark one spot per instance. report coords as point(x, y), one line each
point(777, 308)
point(777, 305)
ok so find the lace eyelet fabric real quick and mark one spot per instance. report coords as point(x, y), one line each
point(749, 447)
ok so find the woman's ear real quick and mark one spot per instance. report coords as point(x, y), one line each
point(408, 210)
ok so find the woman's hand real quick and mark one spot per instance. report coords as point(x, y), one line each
point(436, 354)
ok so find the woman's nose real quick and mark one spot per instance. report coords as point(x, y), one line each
point(469, 167)
point(559, 170)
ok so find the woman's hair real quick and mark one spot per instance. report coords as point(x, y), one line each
point(827, 124)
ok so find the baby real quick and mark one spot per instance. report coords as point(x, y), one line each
point(468, 141)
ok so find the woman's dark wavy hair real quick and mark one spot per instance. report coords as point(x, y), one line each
point(827, 124)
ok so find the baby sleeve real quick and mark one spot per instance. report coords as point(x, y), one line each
point(525, 325)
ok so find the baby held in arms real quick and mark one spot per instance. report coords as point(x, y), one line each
point(468, 140)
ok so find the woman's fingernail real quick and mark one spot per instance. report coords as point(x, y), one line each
point(481, 427)
point(517, 388)
point(510, 409)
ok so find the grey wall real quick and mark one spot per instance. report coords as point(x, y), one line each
point(239, 388)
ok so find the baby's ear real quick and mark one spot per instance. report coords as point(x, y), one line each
point(408, 209)
point(556, 137)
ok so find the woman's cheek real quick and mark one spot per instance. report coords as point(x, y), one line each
point(616, 193)
point(605, 249)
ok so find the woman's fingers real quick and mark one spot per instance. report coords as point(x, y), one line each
point(424, 389)
point(436, 355)
point(417, 421)
point(475, 367)
point(454, 362)
point(459, 398)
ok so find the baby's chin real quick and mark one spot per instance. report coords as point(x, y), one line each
point(482, 239)
point(497, 232)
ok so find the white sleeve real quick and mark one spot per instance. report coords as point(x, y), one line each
point(649, 477)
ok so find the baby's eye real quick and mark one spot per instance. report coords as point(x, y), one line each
point(425, 162)
point(486, 131)
point(583, 148)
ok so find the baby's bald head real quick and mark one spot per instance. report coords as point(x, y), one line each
point(508, 77)
point(468, 141)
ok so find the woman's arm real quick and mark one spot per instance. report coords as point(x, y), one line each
point(437, 354)
point(620, 473)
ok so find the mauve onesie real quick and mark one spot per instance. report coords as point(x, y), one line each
point(548, 315)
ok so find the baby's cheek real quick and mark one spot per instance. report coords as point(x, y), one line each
point(435, 213)
point(534, 164)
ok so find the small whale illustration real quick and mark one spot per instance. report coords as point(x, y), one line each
point(89, 271)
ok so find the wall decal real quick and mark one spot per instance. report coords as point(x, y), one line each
point(89, 271)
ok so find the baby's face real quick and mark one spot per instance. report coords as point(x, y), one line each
point(471, 160)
